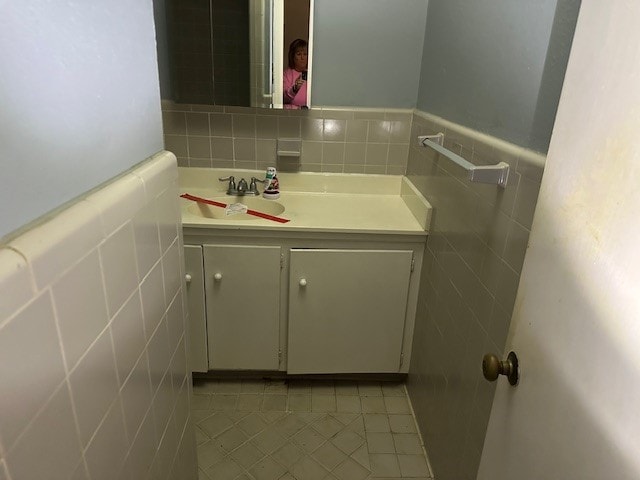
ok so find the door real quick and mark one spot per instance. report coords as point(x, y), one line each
point(243, 306)
point(576, 323)
point(347, 310)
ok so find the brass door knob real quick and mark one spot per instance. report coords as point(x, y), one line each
point(492, 367)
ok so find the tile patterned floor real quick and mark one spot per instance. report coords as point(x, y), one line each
point(305, 430)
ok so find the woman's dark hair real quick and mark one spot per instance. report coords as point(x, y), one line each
point(297, 44)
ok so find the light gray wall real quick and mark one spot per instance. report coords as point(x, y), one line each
point(80, 100)
point(367, 53)
point(492, 65)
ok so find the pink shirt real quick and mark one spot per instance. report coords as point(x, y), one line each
point(291, 99)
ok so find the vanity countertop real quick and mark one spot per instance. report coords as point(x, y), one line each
point(313, 202)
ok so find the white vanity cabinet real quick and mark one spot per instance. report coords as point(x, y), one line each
point(347, 310)
point(242, 287)
point(194, 273)
point(307, 304)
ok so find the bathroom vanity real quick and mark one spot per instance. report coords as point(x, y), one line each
point(333, 290)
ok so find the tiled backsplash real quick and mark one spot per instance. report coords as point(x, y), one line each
point(470, 276)
point(92, 346)
point(333, 140)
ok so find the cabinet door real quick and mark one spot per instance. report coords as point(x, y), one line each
point(195, 303)
point(243, 306)
point(347, 310)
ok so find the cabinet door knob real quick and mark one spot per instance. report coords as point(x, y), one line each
point(187, 278)
point(303, 282)
point(217, 277)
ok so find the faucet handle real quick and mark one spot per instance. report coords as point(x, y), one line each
point(232, 183)
point(253, 188)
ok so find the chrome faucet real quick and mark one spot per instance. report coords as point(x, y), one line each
point(242, 188)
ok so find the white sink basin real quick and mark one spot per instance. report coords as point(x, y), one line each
point(259, 204)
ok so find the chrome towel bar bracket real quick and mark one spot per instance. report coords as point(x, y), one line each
point(495, 174)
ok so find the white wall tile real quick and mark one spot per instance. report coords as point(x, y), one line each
point(175, 321)
point(163, 403)
point(83, 277)
point(159, 355)
point(157, 174)
point(49, 447)
point(94, 385)
point(145, 229)
point(118, 258)
point(106, 452)
point(53, 247)
point(167, 213)
point(16, 284)
point(153, 302)
point(127, 331)
point(28, 380)
point(80, 321)
point(142, 450)
point(171, 270)
point(136, 395)
point(118, 202)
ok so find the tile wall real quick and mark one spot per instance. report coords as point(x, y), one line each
point(470, 276)
point(92, 346)
point(333, 140)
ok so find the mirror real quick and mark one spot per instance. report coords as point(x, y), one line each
point(233, 52)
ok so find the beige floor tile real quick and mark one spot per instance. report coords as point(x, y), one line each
point(351, 470)
point(276, 386)
point(231, 439)
point(308, 439)
point(323, 403)
point(361, 455)
point(308, 469)
point(200, 402)
point(209, 454)
point(227, 386)
point(267, 469)
point(373, 405)
point(216, 424)
point(348, 403)
point(329, 456)
point(375, 422)
point(252, 424)
point(249, 402)
point(402, 424)
point(305, 430)
point(327, 426)
point(222, 402)
point(380, 443)
point(384, 465)
point(300, 387)
point(346, 387)
point(299, 403)
point(370, 389)
point(268, 441)
point(396, 405)
point(252, 386)
point(247, 455)
point(345, 418)
point(226, 469)
point(348, 441)
point(407, 443)
point(393, 389)
point(289, 454)
point(323, 387)
point(413, 465)
point(274, 403)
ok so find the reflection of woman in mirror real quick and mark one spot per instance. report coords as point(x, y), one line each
point(295, 77)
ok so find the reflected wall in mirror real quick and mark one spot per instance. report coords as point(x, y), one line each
point(221, 52)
